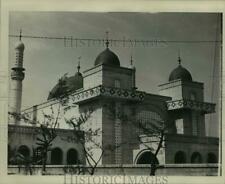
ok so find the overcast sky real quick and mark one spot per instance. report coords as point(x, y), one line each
point(46, 61)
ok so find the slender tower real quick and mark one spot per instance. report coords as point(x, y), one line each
point(17, 76)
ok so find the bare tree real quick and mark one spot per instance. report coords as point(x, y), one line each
point(86, 137)
point(154, 130)
point(17, 158)
point(46, 134)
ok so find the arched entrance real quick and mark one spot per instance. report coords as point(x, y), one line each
point(196, 158)
point(146, 157)
point(211, 158)
point(180, 157)
point(72, 157)
point(56, 156)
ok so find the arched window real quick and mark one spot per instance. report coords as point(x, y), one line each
point(196, 158)
point(72, 157)
point(147, 157)
point(24, 150)
point(211, 158)
point(56, 156)
point(180, 157)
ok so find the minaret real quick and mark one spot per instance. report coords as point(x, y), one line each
point(17, 76)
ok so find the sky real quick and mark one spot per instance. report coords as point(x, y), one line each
point(47, 60)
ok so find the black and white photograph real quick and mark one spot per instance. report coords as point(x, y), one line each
point(114, 93)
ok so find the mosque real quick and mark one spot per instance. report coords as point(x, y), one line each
point(107, 87)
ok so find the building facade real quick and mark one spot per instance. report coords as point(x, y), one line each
point(117, 108)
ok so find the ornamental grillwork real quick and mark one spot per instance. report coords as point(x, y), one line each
point(108, 92)
point(191, 104)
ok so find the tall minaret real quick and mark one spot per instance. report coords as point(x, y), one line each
point(17, 76)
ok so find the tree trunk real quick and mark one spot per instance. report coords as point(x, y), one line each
point(44, 159)
point(154, 161)
point(153, 169)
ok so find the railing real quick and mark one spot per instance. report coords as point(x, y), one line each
point(109, 92)
point(191, 104)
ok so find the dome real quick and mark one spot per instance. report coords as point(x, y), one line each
point(19, 46)
point(180, 73)
point(107, 57)
point(67, 84)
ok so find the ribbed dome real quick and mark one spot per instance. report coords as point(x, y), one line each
point(107, 57)
point(180, 73)
point(67, 84)
point(19, 46)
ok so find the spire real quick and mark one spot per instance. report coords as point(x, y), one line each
point(20, 34)
point(131, 60)
point(19, 45)
point(179, 59)
point(78, 66)
point(107, 39)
